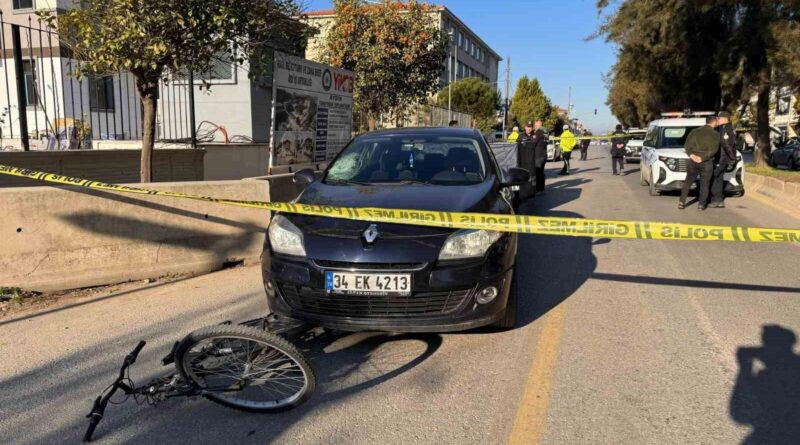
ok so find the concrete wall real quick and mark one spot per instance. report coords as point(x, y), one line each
point(235, 161)
point(61, 238)
point(115, 166)
point(785, 195)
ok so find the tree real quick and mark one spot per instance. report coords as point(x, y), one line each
point(154, 39)
point(395, 48)
point(473, 96)
point(761, 55)
point(530, 104)
point(714, 54)
point(667, 57)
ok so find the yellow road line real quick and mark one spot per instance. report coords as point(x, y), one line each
point(531, 418)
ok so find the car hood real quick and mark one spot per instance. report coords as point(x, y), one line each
point(481, 197)
point(677, 153)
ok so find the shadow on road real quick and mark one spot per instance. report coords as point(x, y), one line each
point(551, 268)
point(346, 364)
point(639, 279)
point(766, 395)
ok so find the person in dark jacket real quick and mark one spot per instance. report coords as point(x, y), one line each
point(701, 145)
point(539, 154)
point(726, 157)
point(618, 150)
point(585, 144)
point(525, 159)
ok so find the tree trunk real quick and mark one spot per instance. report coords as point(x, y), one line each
point(372, 121)
point(762, 115)
point(148, 91)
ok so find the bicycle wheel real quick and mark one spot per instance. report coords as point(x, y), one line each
point(245, 368)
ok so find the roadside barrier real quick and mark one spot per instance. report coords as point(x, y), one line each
point(540, 225)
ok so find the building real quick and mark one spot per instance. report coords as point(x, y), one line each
point(229, 106)
point(470, 55)
point(783, 114)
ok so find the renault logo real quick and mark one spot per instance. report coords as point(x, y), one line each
point(371, 234)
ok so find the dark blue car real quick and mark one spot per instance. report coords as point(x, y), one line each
point(360, 275)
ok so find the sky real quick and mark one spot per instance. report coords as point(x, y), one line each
point(545, 39)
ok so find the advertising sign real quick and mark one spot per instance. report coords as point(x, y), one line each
point(312, 111)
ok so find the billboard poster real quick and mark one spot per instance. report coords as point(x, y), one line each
point(312, 111)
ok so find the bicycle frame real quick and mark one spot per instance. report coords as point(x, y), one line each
point(173, 385)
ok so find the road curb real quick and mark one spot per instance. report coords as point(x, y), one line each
point(781, 194)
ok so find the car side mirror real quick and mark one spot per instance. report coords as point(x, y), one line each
point(304, 177)
point(516, 176)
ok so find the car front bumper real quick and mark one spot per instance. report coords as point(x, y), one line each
point(667, 179)
point(443, 297)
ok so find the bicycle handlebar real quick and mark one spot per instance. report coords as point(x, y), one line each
point(100, 403)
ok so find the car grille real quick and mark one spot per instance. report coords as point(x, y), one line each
point(420, 304)
point(369, 266)
point(683, 165)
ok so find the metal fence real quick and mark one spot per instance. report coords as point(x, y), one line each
point(47, 106)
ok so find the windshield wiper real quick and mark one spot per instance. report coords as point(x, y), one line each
point(347, 182)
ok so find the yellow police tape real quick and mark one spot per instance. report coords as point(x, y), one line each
point(458, 220)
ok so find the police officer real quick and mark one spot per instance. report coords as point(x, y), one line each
point(525, 159)
point(701, 145)
point(726, 156)
point(618, 150)
point(539, 154)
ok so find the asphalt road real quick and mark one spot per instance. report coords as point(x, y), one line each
point(619, 341)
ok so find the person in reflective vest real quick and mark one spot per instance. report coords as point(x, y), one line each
point(567, 144)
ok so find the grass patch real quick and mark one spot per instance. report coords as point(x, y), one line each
point(784, 175)
point(14, 295)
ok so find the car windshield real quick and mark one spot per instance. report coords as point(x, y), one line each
point(674, 137)
point(426, 159)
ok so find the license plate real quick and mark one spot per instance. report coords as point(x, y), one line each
point(514, 188)
point(355, 283)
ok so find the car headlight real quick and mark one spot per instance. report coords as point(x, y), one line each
point(672, 163)
point(468, 244)
point(285, 237)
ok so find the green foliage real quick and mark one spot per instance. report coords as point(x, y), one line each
point(667, 57)
point(395, 48)
point(471, 95)
point(530, 104)
point(712, 55)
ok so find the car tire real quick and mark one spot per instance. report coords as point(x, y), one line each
point(642, 181)
point(653, 190)
point(509, 319)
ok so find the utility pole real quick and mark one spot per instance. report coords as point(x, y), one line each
point(451, 66)
point(508, 87)
point(569, 104)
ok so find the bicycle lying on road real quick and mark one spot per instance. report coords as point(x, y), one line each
point(250, 367)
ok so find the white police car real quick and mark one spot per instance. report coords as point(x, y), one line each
point(633, 148)
point(664, 162)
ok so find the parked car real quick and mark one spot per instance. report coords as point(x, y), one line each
point(664, 162)
point(787, 155)
point(359, 275)
point(553, 152)
point(633, 148)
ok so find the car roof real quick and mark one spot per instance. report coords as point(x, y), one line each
point(679, 122)
point(428, 131)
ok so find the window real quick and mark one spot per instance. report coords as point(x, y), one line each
point(431, 159)
point(460, 39)
point(29, 71)
point(101, 93)
point(220, 68)
point(22, 4)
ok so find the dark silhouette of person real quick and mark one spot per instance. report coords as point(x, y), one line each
point(767, 391)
